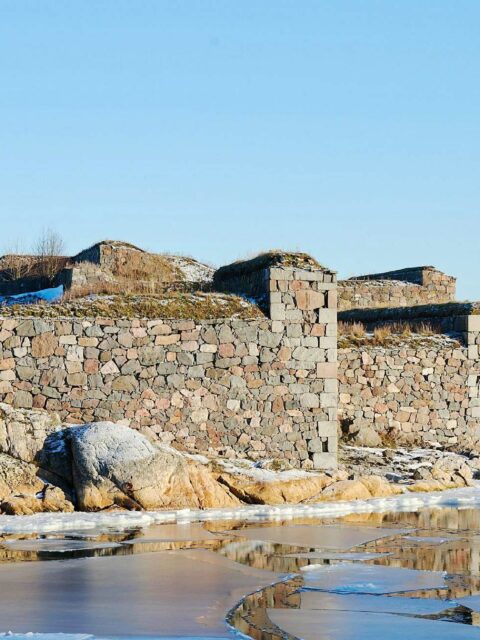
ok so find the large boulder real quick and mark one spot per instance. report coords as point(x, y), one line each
point(115, 465)
point(380, 487)
point(278, 490)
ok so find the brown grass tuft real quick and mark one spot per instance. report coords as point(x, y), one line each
point(355, 334)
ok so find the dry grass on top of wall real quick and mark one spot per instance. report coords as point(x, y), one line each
point(355, 334)
point(171, 305)
point(272, 258)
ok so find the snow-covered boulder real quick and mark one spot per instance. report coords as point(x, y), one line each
point(115, 465)
point(96, 465)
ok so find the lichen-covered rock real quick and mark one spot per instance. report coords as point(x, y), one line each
point(23, 432)
point(451, 470)
point(426, 486)
point(345, 490)
point(17, 477)
point(52, 500)
point(210, 493)
point(379, 487)
point(275, 492)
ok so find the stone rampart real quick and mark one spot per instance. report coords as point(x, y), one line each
point(264, 387)
point(425, 390)
point(401, 288)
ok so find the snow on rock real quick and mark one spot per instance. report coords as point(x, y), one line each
point(192, 270)
point(115, 465)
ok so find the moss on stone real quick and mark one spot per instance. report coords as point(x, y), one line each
point(171, 305)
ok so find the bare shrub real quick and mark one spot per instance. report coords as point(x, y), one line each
point(48, 250)
point(15, 264)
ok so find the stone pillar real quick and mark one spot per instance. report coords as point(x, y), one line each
point(300, 297)
point(470, 328)
point(305, 303)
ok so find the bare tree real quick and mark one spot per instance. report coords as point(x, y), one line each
point(48, 250)
point(15, 264)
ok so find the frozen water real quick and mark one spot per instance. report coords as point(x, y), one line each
point(427, 540)
point(373, 603)
point(177, 593)
point(361, 578)
point(472, 602)
point(319, 536)
point(331, 555)
point(329, 625)
point(175, 533)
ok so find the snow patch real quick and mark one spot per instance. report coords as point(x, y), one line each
point(260, 474)
point(193, 271)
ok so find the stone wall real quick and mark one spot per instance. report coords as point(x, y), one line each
point(402, 288)
point(84, 274)
point(424, 391)
point(264, 387)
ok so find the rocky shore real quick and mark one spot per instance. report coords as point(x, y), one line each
point(47, 467)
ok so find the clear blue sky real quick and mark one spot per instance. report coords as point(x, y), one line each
point(217, 128)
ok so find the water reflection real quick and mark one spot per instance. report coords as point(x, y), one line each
point(441, 540)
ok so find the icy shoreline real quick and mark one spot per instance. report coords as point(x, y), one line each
point(468, 497)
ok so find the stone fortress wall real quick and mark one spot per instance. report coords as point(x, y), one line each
point(423, 388)
point(265, 387)
point(400, 288)
point(423, 391)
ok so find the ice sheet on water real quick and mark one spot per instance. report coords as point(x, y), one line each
point(171, 593)
point(472, 602)
point(425, 540)
point(373, 579)
point(372, 626)
point(326, 601)
point(342, 536)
